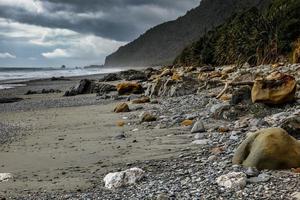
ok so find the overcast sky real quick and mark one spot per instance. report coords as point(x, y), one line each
point(49, 33)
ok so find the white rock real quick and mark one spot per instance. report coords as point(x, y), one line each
point(201, 142)
point(199, 136)
point(233, 180)
point(123, 178)
point(5, 177)
point(198, 127)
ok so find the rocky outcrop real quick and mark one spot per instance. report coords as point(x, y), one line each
point(277, 88)
point(271, 148)
point(128, 75)
point(161, 44)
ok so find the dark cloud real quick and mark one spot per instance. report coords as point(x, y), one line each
point(121, 20)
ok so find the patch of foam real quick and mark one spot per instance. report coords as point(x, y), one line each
point(9, 86)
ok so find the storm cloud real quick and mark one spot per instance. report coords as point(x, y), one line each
point(77, 32)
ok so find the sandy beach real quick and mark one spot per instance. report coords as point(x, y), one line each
point(68, 144)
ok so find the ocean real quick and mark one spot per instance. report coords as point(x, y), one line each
point(13, 77)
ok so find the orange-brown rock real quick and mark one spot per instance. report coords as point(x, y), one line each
point(129, 88)
point(120, 123)
point(141, 100)
point(176, 76)
point(187, 122)
point(277, 88)
point(147, 117)
point(122, 107)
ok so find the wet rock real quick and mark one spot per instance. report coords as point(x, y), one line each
point(141, 100)
point(207, 69)
point(292, 126)
point(271, 148)
point(123, 178)
point(122, 107)
point(277, 88)
point(120, 136)
point(232, 180)
point(243, 94)
point(198, 127)
point(129, 88)
point(252, 172)
point(10, 99)
point(30, 92)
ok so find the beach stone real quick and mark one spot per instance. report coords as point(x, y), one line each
point(271, 148)
point(122, 107)
point(232, 180)
point(141, 100)
point(292, 126)
point(103, 88)
point(147, 117)
point(252, 172)
point(85, 86)
point(5, 177)
point(277, 88)
point(199, 136)
point(131, 74)
point(259, 179)
point(129, 88)
point(198, 127)
point(201, 142)
point(187, 122)
point(123, 178)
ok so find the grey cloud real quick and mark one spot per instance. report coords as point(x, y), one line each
point(121, 20)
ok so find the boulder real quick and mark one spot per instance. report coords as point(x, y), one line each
point(122, 107)
point(10, 99)
point(129, 88)
point(85, 86)
point(233, 180)
point(147, 117)
point(277, 88)
point(292, 126)
point(141, 100)
point(123, 178)
point(271, 148)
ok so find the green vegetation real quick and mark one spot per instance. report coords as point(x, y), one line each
point(254, 36)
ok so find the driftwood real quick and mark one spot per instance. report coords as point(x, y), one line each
point(228, 83)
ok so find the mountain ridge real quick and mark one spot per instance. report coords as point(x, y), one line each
point(161, 44)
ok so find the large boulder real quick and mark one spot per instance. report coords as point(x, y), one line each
point(271, 148)
point(103, 88)
point(129, 88)
point(123, 178)
point(85, 86)
point(277, 88)
point(111, 77)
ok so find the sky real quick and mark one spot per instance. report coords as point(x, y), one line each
point(51, 33)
